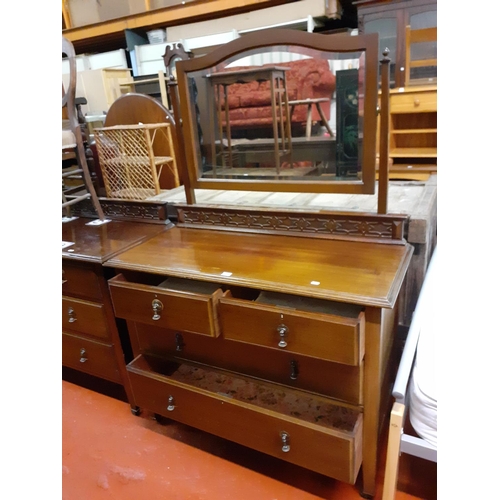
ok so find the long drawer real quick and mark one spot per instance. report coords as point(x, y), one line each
point(296, 325)
point(339, 381)
point(79, 281)
point(84, 317)
point(94, 358)
point(302, 429)
point(176, 304)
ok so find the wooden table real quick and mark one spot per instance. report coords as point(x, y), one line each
point(276, 75)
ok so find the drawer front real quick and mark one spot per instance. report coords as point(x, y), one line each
point(90, 357)
point(80, 282)
point(331, 451)
point(184, 311)
point(414, 102)
point(84, 317)
point(336, 380)
point(317, 335)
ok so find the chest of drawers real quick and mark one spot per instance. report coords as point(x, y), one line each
point(278, 342)
point(91, 339)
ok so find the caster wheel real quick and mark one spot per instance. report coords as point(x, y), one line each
point(135, 411)
point(161, 419)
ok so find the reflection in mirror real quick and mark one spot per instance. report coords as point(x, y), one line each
point(284, 112)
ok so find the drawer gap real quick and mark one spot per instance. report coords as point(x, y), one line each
point(290, 403)
point(192, 286)
point(309, 304)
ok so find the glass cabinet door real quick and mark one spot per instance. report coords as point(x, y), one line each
point(387, 28)
point(424, 50)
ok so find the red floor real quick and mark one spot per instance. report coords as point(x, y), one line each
point(108, 453)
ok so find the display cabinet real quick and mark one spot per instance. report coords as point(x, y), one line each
point(413, 96)
point(389, 19)
point(271, 328)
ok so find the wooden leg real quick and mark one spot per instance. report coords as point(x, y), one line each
point(372, 396)
point(324, 120)
point(275, 127)
point(393, 447)
point(309, 120)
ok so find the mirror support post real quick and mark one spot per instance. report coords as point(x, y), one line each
point(383, 168)
point(173, 94)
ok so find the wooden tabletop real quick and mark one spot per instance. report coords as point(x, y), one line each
point(347, 271)
point(99, 243)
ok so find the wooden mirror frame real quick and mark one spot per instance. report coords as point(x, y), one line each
point(282, 37)
point(172, 54)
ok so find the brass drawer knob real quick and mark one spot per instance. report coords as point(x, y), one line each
point(171, 404)
point(72, 315)
point(285, 442)
point(282, 330)
point(157, 309)
point(83, 357)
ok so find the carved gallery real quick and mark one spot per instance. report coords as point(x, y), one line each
point(249, 246)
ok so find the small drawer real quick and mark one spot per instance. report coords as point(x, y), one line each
point(79, 281)
point(176, 304)
point(312, 327)
point(413, 102)
point(94, 358)
point(306, 430)
point(84, 317)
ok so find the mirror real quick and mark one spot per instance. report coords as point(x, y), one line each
point(282, 110)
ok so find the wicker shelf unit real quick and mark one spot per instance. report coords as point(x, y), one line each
point(129, 166)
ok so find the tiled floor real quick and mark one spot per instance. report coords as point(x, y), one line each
point(108, 453)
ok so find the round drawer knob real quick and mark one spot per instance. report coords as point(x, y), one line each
point(83, 357)
point(171, 404)
point(157, 309)
point(282, 330)
point(285, 442)
point(416, 102)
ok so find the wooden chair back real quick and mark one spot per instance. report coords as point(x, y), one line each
point(71, 115)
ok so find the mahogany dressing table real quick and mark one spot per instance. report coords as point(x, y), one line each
point(271, 328)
